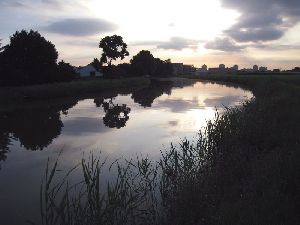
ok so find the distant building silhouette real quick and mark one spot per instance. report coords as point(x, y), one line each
point(263, 69)
point(296, 69)
point(189, 69)
point(177, 68)
point(219, 70)
point(222, 67)
point(202, 70)
point(255, 68)
point(235, 68)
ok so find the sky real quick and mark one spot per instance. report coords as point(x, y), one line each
point(211, 32)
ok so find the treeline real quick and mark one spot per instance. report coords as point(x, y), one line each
point(31, 59)
point(142, 64)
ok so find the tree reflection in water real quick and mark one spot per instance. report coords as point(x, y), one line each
point(116, 115)
point(34, 128)
point(146, 96)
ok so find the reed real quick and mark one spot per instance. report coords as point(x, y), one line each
point(243, 168)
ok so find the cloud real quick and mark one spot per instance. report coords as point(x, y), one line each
point(174, 43)
point(262, 20)
point(255, 34)
point(19, 5)
point(29, 4)
point(179, 43)
point(276, 47)
point(80, 27)
point(223, 44)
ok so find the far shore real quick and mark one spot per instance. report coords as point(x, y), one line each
point(78, 88)
point(30, 96)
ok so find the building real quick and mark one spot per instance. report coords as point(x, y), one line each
point(247, 70)
point(218, 70)
point(189, 69)
point(235, 68)
point(202, 70)
point(255, 68)
point(88, 71)
point(222, 67)
point(263, 69)
point(177, 68)
point(296, 69)
point(214, 71)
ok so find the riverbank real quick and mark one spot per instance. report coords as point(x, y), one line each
point(256, 167)
point(242, 169)
point(14, 95)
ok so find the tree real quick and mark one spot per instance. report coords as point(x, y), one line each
point(96, 64)
point(163, 67)
point(28, 59)
point(143, 63)
point(65, 72)
point(113, 48)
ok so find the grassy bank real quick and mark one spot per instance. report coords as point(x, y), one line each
point(242, 169)
point(11, 95)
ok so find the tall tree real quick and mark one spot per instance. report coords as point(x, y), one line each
point(113, 47)
point(29, 59)
point(163, 67)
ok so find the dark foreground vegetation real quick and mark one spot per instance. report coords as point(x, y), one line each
point(242, 169)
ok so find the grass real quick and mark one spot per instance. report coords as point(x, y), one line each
point(242, 169)
point(15, 95)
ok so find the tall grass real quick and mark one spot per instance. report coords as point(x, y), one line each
point(243, 168)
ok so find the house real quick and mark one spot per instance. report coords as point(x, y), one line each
point(88, 71)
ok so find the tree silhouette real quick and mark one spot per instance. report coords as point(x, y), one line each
point(65, 72)
point(163, 67)
point(96, 64)
point(143, 63)
point(28, 59)
point(113, 47)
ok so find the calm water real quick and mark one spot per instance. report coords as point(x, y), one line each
point(139, 122)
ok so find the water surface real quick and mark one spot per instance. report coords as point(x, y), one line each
point(142, 121)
